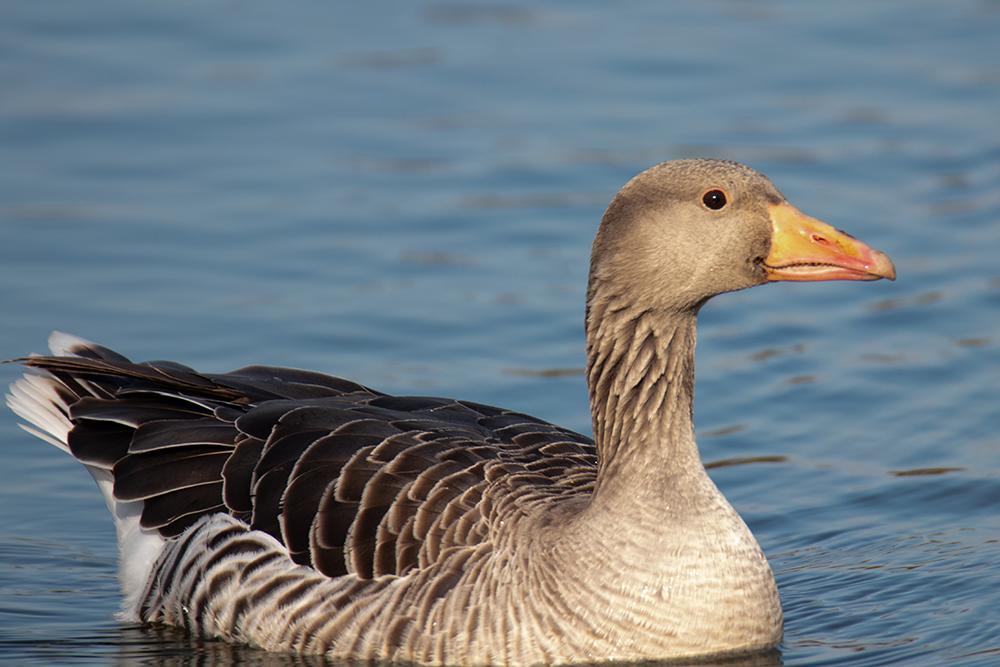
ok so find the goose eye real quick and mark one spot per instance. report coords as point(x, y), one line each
point(714, 199)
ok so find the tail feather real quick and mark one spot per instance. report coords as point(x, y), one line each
point(36, 399)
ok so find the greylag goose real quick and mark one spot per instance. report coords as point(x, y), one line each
point(295, 511)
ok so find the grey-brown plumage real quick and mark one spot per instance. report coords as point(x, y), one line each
point(297, 511)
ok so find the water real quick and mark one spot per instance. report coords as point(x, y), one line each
point(404, 193)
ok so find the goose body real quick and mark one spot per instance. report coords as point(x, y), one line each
point(300, 512)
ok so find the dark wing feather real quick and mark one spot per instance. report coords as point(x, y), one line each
point(149, 474)
point(351, 480)
point(170, 513)
point(202, 430)
point(237, 476)
point(99, 443)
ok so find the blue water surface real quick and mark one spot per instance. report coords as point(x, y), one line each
point(404, 193)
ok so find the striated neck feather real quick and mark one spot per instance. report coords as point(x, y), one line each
point(640, 371)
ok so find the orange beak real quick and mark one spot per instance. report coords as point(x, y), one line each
point(803, 248)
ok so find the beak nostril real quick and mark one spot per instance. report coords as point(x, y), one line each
point(820, 240)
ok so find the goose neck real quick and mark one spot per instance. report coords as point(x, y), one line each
point(640, 371)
